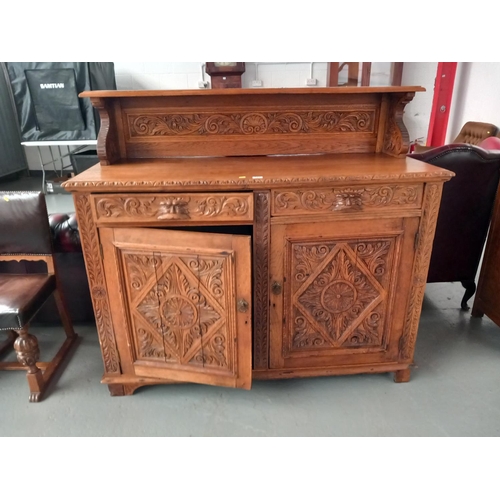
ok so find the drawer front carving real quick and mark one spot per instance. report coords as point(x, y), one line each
point(338, 199)
point(183, 207)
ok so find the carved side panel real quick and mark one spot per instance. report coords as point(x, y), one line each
point(95, 272)
point(299, 201)
point(339, 294)
point(173, 207)
point(107, 142)
point(432, 199)
point(261, 280)
point(180, 308)
point(397, 139)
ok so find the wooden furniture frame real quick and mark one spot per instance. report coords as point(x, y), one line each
point(255, 234)
point(39, 374)
point(487, 297)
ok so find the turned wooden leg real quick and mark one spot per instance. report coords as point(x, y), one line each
point(28, 353)
point(402, 375)
point(470, 290)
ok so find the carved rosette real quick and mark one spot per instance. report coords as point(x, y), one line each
point(252, 123)
point(174, 207)
point(261, 254)
point(178, 307)
point(432, 200)
point(338, 199)
point(339, 293)
point(95, 273)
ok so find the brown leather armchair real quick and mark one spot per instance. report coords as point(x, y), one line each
point(471, 133)
point(464, 214)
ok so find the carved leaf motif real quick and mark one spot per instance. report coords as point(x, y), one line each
point(149, 346)
point(261, 279)
point(346, 198)
point(212, 353)
point(420, 269)
point(252, 123)
point(217, 205)
point(95, 273)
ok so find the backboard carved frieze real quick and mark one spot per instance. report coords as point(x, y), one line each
point(252, 123)
point(346, 198)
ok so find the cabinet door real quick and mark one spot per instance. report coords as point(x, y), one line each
point(181, 304)
point(339, 291)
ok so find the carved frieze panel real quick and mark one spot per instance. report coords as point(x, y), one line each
point(338, 294)
point(336, 199)
point(180, 308)
point(321, 121)
point(174, 207)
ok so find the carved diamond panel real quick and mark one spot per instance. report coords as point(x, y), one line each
point(178, 308)
point(339, 294)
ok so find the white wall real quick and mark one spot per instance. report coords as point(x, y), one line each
point(475, 96)
point(186, 75)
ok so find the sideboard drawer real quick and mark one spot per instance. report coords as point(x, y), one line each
point(172, 207)
point(345, 198)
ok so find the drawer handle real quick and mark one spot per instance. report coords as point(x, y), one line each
point(242, 306)
point(173, 209)
point(276, 287)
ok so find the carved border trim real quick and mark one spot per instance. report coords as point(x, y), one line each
point(98, 292)
point(427, 228)
point(261, 253)
point(262, 183)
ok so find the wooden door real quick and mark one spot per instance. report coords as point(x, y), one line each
point(339, 291)
point(181, 304)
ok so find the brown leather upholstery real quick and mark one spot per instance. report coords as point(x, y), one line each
point(24, 226)
point(21, 296)
point(470, 133)
point(475, 132)
point(465, 211)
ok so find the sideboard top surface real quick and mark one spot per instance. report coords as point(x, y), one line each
point(247, 173)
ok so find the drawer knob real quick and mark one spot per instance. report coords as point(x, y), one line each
point(242, 306)
point(276, 287)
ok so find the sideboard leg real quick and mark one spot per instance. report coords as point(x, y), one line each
point(476, 312)
point(116, 390)
point(402, 375)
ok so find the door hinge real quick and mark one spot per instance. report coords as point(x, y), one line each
point(101, 251)
point(415, 243)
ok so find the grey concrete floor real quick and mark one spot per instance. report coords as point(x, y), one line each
point(454, 391)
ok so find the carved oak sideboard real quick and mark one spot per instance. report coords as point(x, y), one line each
point(232, 235)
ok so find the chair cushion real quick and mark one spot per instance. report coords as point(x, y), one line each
point(21, 295)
